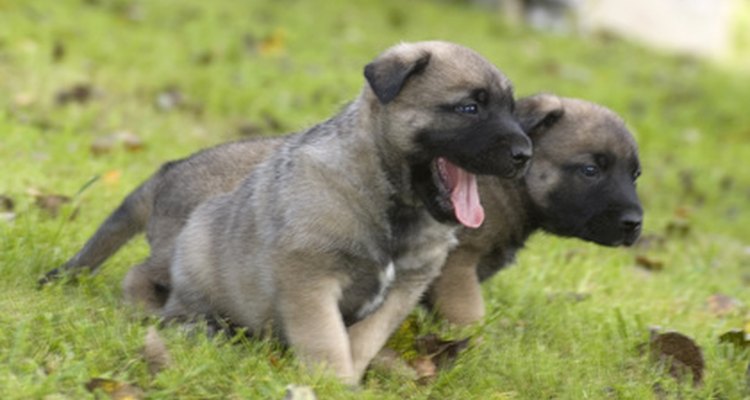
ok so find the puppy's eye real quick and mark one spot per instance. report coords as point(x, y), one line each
point(590, 171)
point(471, 108)
point(636, 174)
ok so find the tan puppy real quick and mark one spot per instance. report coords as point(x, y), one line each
point(331, 241)
point(580, 183)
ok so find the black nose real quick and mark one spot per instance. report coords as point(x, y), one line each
point(631, 221)
point(520, 156)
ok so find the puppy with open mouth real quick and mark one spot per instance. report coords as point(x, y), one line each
point(330, 242)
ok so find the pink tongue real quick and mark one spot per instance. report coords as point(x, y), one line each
point(464, 195)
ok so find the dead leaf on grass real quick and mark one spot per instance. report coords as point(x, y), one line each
point(649, 263)
point(679, 353)
point(273, 44)
point(106, 144)
point(650, 242)
point(51, 203)
point(7, 205)
point(79, 93)
point(155, 352)
point(58, 51)
point(442, 352)
point(722, 305)
point(116, 390)
point(130, 141)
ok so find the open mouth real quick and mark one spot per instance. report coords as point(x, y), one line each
point(457, 192)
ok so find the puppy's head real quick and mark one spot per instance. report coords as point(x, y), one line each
point(581, 179)
point(448, 113)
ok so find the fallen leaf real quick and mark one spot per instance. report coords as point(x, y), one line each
point(112, 178)
point(79, 93)
point(204, 58)
point(299, 392)
point(679, 353)
point(116, 390)
point(155, 352)
point(6, 203)
point(736, 337)
point(678, 228)
point(51, 203)
point(649, 263)
point(722, 305)
point(130, 141)
point(58, 52)
point(442, 352)
point(273, 44)
point(650, 242)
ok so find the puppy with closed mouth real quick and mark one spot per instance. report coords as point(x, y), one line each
point(580, 183)
point(331, 241)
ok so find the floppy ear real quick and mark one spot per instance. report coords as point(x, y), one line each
point(388, 73)
point(538, 112)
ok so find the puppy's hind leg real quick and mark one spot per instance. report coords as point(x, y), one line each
point(140, 289)
point(456, 293)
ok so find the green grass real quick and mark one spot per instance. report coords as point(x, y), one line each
point(691, 119)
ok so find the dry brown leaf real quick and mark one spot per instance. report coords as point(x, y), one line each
point(130, 141)
point(155, 352)
point(722, 305)
point(678, 227)
point(79, 93)
point(112, 178)
point(51, 203)
point(442, 352)
point(273, 43)
point(116, 390)
point(649, 263)
point(679, 353)
point(58, 51)
point(6, 203)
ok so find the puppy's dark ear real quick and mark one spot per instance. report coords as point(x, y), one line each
point(388, 73)
point(538, 112)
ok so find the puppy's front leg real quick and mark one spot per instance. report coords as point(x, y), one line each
point(312, 323)
point(456, 294)
point(368, 336)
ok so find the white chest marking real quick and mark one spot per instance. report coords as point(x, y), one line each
point(386, 279)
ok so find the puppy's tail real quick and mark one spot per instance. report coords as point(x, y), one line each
point(129, 219)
